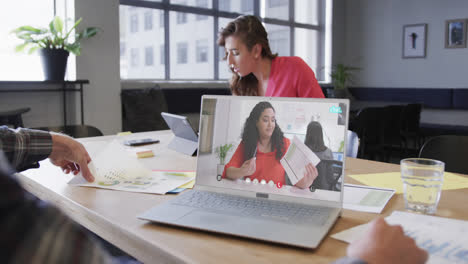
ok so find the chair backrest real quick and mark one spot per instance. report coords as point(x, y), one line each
point(14, 117)
point(352, 144)
point(76, 131)
point(141, 109)
point(451, 149)
point(410, 118)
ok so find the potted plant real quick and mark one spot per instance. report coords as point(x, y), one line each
point(221, 153)
point(342, 76)
point(54, 44)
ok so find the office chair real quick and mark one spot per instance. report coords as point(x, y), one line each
point(451, 149)
point(76, 131)
point(352, 144)
point(141, 109)
point(330, 179)
point(409, 130)
point(368, 126)
point(13, 118)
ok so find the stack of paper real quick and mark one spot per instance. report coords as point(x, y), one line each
point(113, 168)
point(446, 240)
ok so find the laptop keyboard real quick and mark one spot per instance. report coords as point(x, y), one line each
point(256, 208)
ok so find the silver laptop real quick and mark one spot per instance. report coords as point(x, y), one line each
point(262, 205)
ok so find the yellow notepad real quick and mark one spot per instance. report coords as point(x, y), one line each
point(392, 180)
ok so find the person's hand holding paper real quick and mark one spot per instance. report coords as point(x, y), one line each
point(300, 163)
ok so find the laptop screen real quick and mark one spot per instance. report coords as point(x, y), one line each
point(284, 146)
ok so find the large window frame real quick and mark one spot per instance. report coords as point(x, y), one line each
point(166, 6)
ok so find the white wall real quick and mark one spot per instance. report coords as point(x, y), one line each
point(99, 62)
point(373, 41)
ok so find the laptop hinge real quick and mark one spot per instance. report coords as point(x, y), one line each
point(262, 195)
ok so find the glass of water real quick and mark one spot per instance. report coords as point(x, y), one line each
point(422, 184)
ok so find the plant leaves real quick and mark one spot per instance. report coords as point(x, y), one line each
point(58, 25)
point(21, 47)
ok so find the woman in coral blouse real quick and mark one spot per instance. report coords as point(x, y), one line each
point(263, 145)
point(256, 70)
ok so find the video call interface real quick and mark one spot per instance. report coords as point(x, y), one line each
point(246, 142)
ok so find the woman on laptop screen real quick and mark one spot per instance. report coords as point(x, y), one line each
point(257, 158)
point(256, 70)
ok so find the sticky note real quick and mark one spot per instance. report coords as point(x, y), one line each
point(124, 133)
point(145, 154)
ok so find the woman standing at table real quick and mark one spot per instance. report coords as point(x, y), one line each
point(263, 145)
point(256, 70)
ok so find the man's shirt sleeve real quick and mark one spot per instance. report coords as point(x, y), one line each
point(25, 147)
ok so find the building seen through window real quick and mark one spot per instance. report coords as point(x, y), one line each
point(188, 51)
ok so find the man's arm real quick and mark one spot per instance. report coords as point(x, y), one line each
point(25, 147)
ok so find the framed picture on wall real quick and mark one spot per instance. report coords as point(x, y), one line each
point(455, 33)
point(414, 41)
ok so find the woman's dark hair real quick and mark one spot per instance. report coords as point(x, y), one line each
point(250, 134)
point(314, 137)
point(250, 31)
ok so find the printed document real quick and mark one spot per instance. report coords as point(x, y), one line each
point(113, 168)
point(446, 240)
point(296, 158)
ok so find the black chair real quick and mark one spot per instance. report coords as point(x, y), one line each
point(76, 131)
point(141, 110)
point(330, 172)
point(368, 127)
point(451, 149)
point(409, 130)
point(391, 128)
point(13, 118)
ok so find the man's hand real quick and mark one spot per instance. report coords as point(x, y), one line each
point(383, 243)
point(70, 155)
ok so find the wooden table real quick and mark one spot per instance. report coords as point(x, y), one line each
point(112, 215)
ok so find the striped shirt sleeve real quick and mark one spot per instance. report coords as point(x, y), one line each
point(25, 147)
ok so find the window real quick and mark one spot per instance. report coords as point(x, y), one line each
point(277, 9)
point(189, 50)
point(162, 51)
point(161, 18)
point(134, 23)
point(204, 4)
point(149, 56)
point(224, 5)
point(122, 49)
point(182, 53)
point(148, 20)
point(202, 50)
point(247, 5)
point(134, 57)
point(276, 3)
point(22, 66)
point(181, 18)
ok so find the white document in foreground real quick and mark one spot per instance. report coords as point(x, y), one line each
point(366, 198)
point(113, 168)
point(446, 240)
point(296, 158)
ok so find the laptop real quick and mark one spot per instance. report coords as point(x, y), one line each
point(268, 210)
point(185, 138)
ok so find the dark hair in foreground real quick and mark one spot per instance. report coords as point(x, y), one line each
point(314, 137)
point(250, 31)
point(250, 134)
